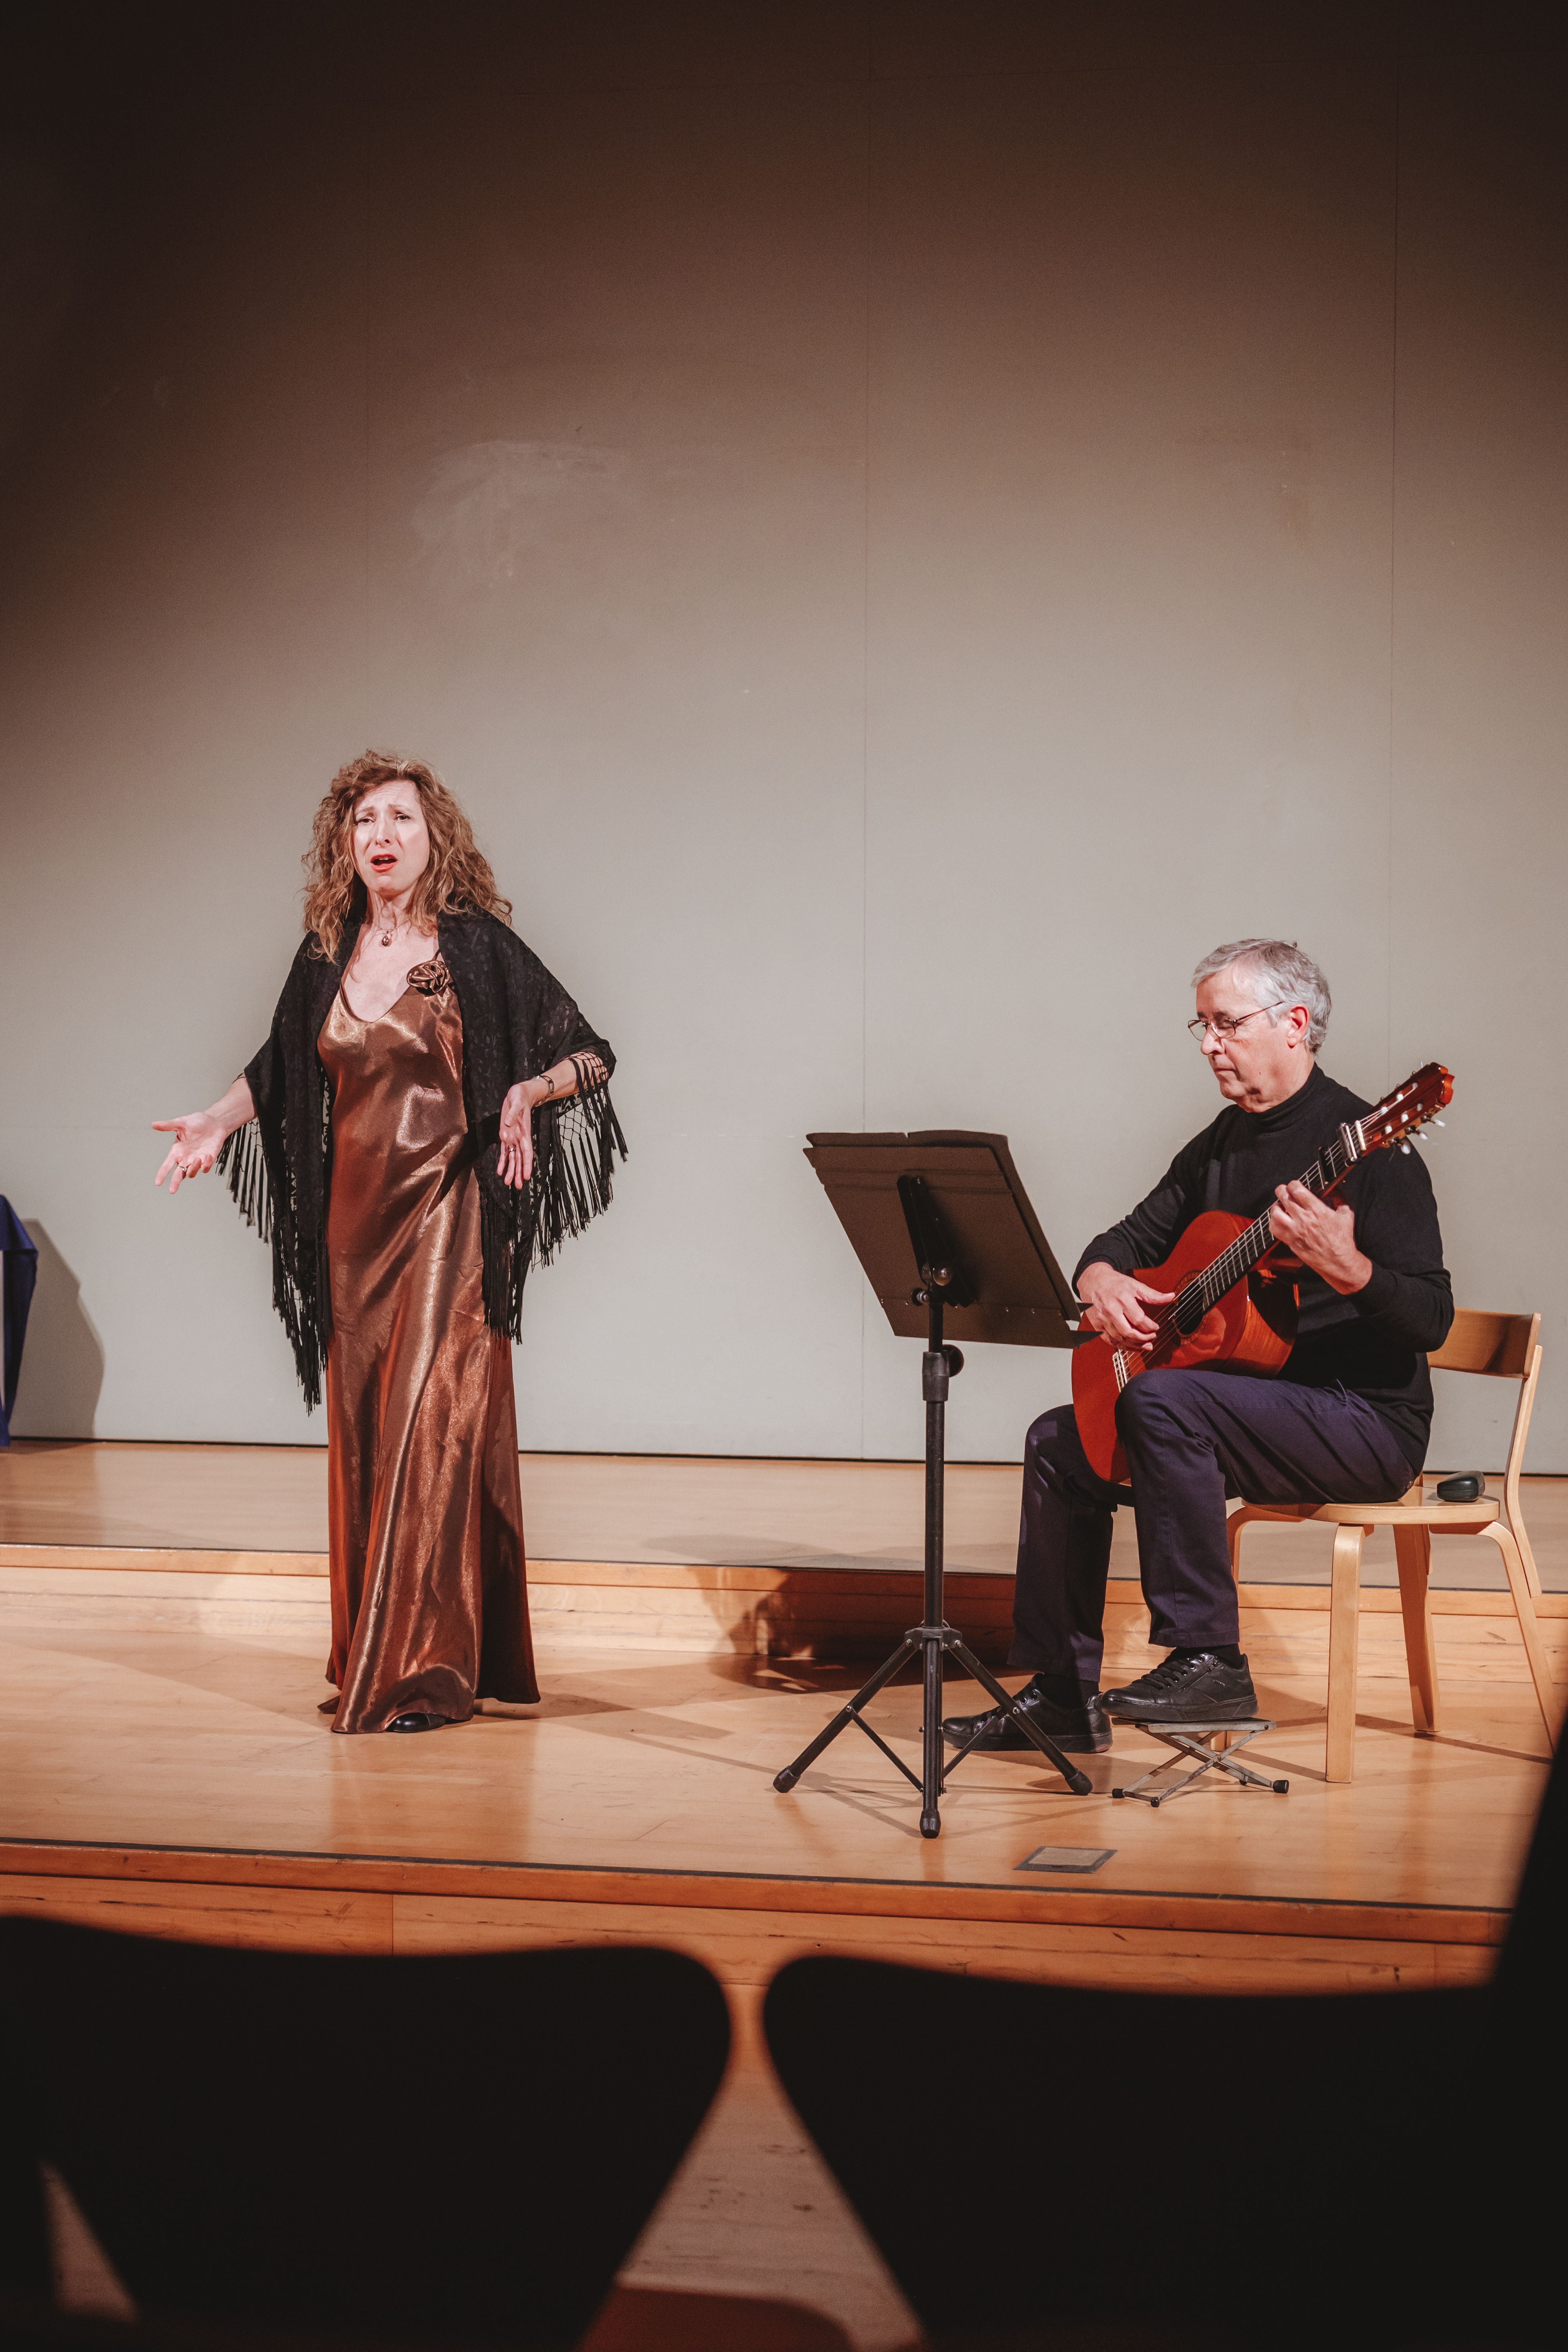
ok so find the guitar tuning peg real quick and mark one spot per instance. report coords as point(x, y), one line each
point(1440, 1122)
point(1406, 1148)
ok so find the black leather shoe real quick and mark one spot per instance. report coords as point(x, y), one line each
point(1190, 1687)
point(417, 1723)
point(1078, 1730)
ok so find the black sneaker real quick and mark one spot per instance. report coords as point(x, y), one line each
point(1079, 1730)
point(1191, 1687)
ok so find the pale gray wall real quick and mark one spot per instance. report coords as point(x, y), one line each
point(904, 526)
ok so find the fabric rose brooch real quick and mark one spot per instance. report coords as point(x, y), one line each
point(431, 978)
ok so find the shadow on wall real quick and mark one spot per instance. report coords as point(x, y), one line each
point(62, 1368)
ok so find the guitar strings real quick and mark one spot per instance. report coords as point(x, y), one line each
point(1246, 1250)
point(1253, 1244)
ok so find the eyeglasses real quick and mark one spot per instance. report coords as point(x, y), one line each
point(1223, 1024)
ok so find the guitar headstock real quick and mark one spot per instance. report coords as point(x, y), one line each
point(1404, 1113)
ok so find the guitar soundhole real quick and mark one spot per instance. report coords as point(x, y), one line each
point(1189, 1309)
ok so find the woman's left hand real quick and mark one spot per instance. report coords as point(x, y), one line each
point(515, 1165)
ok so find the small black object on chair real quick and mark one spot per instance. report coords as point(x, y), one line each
point(1467, 1488)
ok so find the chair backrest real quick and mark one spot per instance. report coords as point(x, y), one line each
point(24, 2231)
point(456, 2148)
point(1021, 2154)
point(1529, 1971)
point(1502, 1345)
point(1031, 2157)
point(1508, 1347)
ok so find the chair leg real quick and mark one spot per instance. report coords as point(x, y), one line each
point(1531, 1573)
point(1234, 1525)
point(1344, 1651)
point(1413, 1550)
point(1529, 1626)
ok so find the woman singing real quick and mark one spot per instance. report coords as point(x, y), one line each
point(430, 1117)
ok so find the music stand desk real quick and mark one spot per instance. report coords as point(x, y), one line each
point(1023, 1298)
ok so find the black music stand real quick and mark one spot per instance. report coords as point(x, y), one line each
point(949, 1207)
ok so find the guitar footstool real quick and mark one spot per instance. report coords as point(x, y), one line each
point(1192, 1740)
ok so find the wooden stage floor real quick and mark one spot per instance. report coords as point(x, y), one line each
point(164, 1767)
point(164, 1622)
point(162, 1760)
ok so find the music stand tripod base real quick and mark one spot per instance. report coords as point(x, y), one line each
point(1189, 1739)
point(932, 1643)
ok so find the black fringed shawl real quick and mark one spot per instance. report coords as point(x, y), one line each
point(518, 1020)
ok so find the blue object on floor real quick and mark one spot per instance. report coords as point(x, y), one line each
point(21, 1253)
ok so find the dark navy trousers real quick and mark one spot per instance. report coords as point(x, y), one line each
point(1191, 1439)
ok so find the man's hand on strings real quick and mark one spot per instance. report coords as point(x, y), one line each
point(1322, 1234)
point(1117, 1305)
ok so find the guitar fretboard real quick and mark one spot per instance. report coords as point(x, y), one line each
point(1252, 1246)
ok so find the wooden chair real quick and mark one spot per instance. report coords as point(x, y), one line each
point(1022, 2155)
point(462, 2147)
point(1502, 1346)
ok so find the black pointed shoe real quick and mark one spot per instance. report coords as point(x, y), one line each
point(417, 1723)
point(1190, 1687)
point(1079, 1730)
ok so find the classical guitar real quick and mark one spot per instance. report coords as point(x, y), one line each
point(1234, 1312)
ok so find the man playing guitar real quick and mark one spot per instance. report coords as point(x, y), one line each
point(1346, 1420)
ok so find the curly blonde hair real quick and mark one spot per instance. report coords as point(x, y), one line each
point(457, 880)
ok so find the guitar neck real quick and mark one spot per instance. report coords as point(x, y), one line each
point(1252, 1246)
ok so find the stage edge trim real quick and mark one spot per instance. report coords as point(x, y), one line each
point(1328, 1918)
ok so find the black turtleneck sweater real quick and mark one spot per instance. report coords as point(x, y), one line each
point(1377, 1341)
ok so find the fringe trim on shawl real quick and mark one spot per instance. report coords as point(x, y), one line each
point(575, 1143)
point(575, 1148)
point(300, 1293)
point(243, 1162)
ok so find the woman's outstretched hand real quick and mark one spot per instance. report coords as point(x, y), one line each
point(515, 1164)
point(198, 1140)
point(199, 1136)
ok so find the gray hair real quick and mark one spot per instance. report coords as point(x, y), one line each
point(1278, 973)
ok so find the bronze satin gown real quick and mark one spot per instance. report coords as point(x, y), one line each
point(428, 1573)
